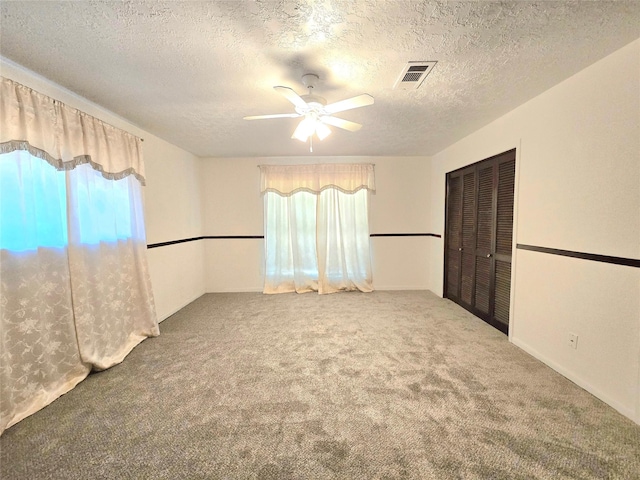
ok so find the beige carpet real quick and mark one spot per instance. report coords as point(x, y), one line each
point(386, 385)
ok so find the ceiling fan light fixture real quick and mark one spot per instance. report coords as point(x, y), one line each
point(322, 130)
point(309, 126)
point(305, 129)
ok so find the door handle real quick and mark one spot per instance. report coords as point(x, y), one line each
point(460, 249)
point(488, 255)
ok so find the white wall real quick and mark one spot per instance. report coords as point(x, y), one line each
point(172, 199)
point(173, 212)
point(232, 205)
point(577, 188)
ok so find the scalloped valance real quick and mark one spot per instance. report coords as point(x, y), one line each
point(288, 179)
point(63, 136)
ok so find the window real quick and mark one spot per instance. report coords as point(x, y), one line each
point(31, 189)
point(33, 204)
point(317, 231)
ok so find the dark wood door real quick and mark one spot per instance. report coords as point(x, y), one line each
point(478, 238)
point(453, 236)
point(468, 236)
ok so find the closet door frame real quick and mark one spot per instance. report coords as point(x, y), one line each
point(495, 162)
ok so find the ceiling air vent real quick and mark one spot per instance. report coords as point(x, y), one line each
point(413, 74)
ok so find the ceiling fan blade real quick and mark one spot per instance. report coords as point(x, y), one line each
point(292, 96)
point(341, 123)
point(277, 115)
point(354, 102)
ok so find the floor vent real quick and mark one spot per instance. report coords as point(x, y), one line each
point(413, 74)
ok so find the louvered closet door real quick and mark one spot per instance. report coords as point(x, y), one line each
point(468, 266)
point(506, 171)
point(460, 236)
point(484, 240)
point(454, 239)
point(479, 231)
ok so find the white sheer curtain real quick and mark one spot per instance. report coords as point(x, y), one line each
point(290, 243)
point(317, 227)
point(75, 293)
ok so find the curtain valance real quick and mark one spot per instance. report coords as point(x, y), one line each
point(64, 136)
point(288, 179)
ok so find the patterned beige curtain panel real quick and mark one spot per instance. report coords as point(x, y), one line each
point(63, 136)
point(75, 290)
point(286, 180)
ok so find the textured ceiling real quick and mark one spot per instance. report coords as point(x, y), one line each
point(189, 71)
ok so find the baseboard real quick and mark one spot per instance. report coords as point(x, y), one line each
point(400, 287)
point(236, 290)
point(181, 307)
point(375, 287)
point(627, 412)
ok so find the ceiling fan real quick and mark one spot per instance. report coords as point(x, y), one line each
point(317, 114)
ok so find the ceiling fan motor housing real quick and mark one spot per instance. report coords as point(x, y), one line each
point(315, 103)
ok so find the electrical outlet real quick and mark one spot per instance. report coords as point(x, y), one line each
point(572, 340)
